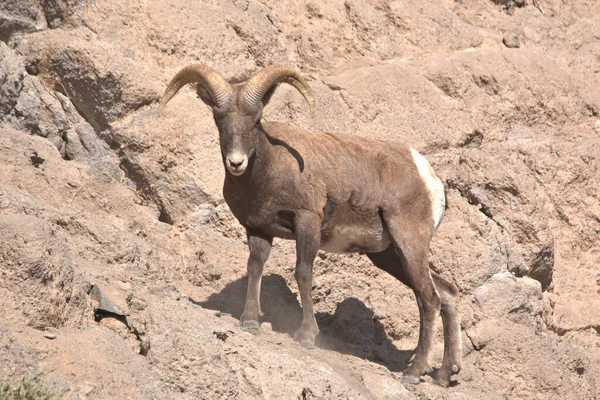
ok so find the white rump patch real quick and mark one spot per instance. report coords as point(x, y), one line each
point(435, 186)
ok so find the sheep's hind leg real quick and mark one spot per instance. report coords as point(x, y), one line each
point(411, 244)
point(260, 249)
point(389, 261)
point(308, 237)
point(452, 338)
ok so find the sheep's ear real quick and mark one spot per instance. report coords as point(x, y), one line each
point(269, 93)
point(204, 96)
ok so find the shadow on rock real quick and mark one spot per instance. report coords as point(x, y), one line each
point(279, 305)
point(352, 329)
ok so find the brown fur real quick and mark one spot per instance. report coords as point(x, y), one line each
point(338, 177)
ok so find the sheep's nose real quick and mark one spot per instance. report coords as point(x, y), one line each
point(236, 163)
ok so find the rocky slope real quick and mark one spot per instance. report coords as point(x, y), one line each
point(122, 270)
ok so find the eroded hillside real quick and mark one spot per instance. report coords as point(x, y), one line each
point(122, 271)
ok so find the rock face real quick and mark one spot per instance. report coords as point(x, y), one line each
point(99, 191)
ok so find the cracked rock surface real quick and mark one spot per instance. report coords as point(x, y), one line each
point(99, 191)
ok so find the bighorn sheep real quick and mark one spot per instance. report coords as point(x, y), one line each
point(339, 193)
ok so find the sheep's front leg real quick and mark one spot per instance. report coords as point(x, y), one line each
point(308, 238)
point(260, 248)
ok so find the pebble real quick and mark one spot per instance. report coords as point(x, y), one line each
point(221, 335)
point(511, 41)
point(212, 273)
point(50, 336)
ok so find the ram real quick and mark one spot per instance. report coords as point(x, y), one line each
point(339, 193)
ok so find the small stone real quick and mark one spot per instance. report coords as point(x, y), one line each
point(40, 326)
point(87, 388)
point(50, 336)
point(315, 284)
point(32, 69)
point(222, 314)
point(307, 394)
point(212, 273)
point(511, 41)
point(221, 335)
point(73, 184)
point(144, 347)
point(136, 305)
point(328, 291)
point(36, 160)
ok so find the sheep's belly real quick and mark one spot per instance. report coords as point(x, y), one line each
point(352, 239)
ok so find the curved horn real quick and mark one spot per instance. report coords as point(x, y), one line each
point(259, 84)
point(215, 85)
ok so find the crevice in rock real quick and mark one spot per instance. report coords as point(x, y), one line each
point(563, 331)
point(164, 216)
point(54, 85)
point(139, 179)
point(250, 43)
point(36, 160)
point(473, 200)
point(473, 139)
point(65, 151)
point(99, 315)
point(561, 214)
point(331, 86)
point(344, 99)
point(475, 347)
point(144, 344)
point(542, 267)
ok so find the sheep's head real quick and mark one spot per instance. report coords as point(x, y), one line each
point(237, 109)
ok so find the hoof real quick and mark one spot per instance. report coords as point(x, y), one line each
point(441, 383)
point(306, 337)
point(307, 344)
point(441, 378)
point(250, 324)
point(410, 379)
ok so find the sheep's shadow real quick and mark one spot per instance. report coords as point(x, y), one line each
point(351, 329)
point(279, 305)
